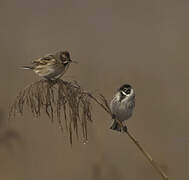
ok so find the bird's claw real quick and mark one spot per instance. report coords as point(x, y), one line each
point(113, 116)
point(124, 129)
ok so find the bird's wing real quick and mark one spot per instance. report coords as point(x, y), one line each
point(48, 59)
point(131, 105)
point(114, 104)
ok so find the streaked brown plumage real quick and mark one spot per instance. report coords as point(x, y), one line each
point(51, 66)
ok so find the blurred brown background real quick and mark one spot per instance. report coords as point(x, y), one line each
point(144, 43)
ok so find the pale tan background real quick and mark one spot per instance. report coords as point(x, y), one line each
point(144, 43)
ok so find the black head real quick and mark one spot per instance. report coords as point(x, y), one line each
point(65, 56)
point(125, 89)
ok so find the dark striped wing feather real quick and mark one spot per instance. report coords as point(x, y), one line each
point(48, 59)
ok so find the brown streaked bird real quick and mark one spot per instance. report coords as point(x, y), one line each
point(51, 66)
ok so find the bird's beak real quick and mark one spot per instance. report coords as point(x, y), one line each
point(73, 61)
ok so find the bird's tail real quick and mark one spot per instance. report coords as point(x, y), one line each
point(26, 67)
point(117, 127)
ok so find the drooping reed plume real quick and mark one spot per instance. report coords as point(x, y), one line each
point(64, 101)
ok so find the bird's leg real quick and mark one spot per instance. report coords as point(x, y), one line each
point(124, 127)
point(120, 124)
point(113, 116)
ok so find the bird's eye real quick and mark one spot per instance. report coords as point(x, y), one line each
point(128, 91)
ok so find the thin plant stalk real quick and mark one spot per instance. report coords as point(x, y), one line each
point(106, 107)
point(148, 156)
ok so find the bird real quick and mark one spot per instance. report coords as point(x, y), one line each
point(122, 106)
point(51, 66)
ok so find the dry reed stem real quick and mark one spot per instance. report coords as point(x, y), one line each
point(105, 106)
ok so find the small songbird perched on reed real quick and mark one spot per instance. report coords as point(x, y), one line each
point(122, 106)
point(51, 66)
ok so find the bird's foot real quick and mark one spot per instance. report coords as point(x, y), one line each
point(113, 116)
point(124, 129)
